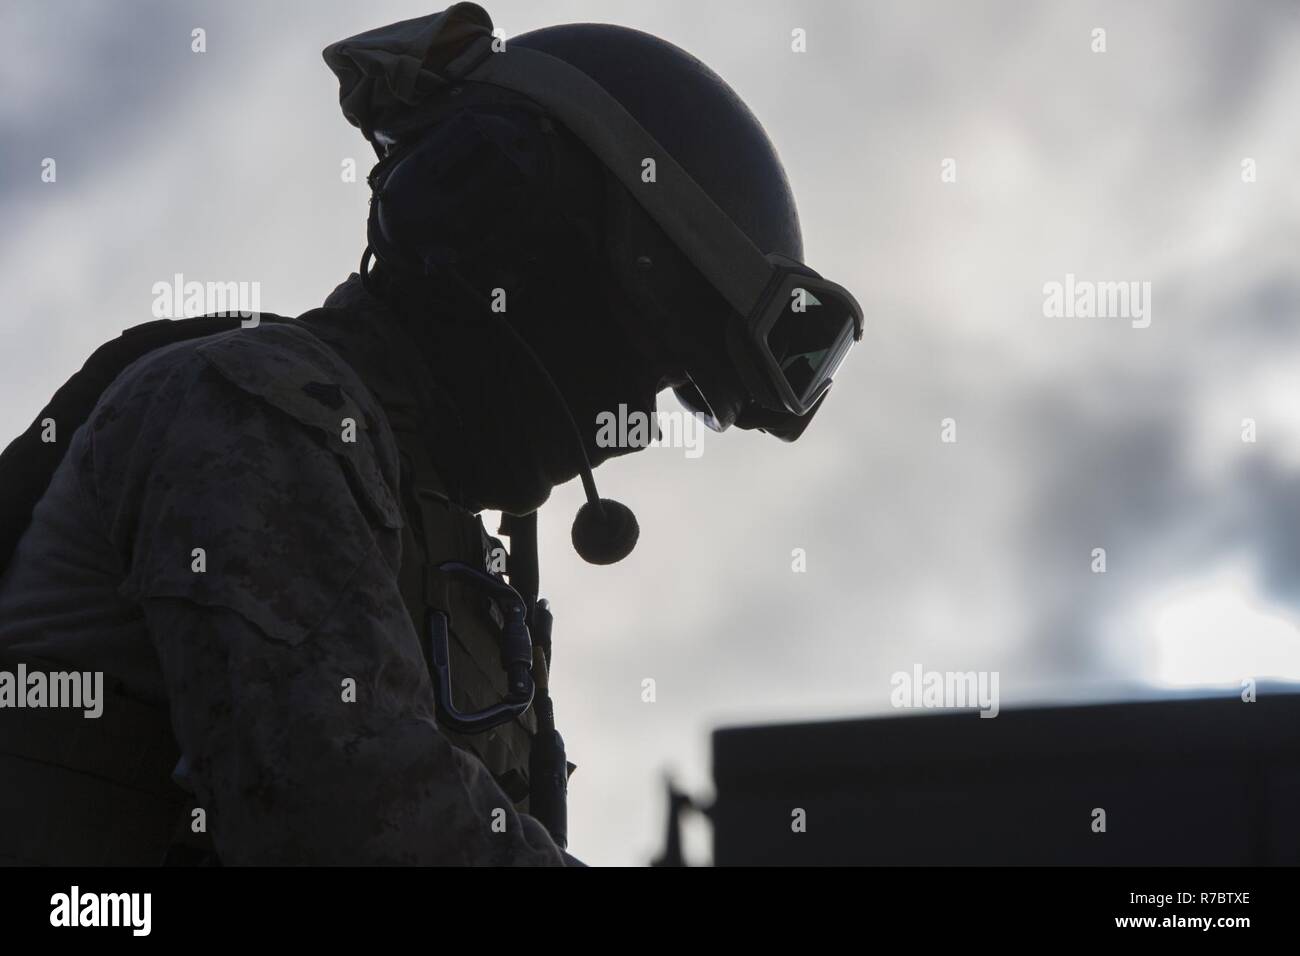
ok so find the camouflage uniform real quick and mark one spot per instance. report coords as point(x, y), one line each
point(235, 444)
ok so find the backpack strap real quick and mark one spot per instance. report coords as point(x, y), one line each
point(28, 464)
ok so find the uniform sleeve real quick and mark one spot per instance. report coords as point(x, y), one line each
point(266, 566)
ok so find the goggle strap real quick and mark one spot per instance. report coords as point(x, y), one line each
point(715, 245)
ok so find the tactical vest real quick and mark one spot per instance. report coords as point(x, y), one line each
point(438, 530)
point(106, 784)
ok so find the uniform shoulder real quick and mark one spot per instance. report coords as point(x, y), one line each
point(260, 446)
point(282, 363)
point(246, 395)
point(248, 356)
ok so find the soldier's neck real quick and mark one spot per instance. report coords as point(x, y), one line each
point(487, 418)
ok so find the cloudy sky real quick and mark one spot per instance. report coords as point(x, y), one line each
point(1072, 433)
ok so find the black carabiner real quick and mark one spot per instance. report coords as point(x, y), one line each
point(516, 658)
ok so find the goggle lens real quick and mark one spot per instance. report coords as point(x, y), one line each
point(807, 339)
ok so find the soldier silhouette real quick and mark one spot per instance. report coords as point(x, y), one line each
point(268, 537)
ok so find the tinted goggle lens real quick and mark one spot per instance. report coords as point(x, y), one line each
point(810, 337)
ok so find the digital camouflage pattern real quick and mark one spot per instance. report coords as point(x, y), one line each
point(236, 444)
